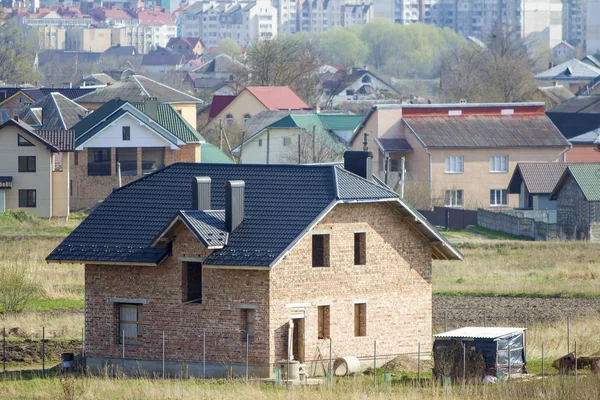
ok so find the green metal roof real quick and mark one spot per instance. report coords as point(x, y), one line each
point(172, 121)
point(212, 155)
point(588, 179)
point(341, 122)
point(306, 122)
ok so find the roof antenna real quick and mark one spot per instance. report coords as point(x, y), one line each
point(365, 142)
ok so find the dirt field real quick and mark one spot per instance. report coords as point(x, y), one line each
point(29, 352)
point(469, 310)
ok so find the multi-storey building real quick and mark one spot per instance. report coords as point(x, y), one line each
point(542, 18)
point(592, 24)
point(46, 37)
point(95, 40)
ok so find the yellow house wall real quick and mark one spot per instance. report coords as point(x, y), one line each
point(244, 103)
point(476, 181)
point(187, 111)
point(60, 189)
point(40, 181)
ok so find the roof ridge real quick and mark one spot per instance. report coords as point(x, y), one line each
point(62, 120)
point(344, 170)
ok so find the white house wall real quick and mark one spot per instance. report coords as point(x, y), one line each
point(278, 153)
point(112, 135)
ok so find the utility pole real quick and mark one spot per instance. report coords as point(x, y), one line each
point(221, 134)
point(268, 144)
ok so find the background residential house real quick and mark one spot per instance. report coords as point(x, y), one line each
point(459, 155)
point(34, 169)
point(265, 257)
point(141, 137)
point(186, 45)
point(576, 116)
point(572, 74)
point(288, 137)
point(356, 84)
point(136, 89)
point(53, 112)
point(585, 147)
point(252, 100)
point(577, 196)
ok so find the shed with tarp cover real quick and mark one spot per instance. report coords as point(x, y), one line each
point(497, 345)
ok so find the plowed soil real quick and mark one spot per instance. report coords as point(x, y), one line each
point(502, 310)
point(30, 352)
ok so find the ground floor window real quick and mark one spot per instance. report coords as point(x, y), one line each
point(249, 320)
point(99, 162)
point(498, 197)
point(27, 198)
point(454, 198)
point(153, 159)
point(323, 322)
point(360, 319)
point(130, 323)
point(127, 158)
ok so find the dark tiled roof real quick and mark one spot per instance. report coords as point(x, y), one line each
point(5, 182)
point(219, 102)
point(6, 92)
point(486, 131)
point(539, 178)
point(208, 226)
point(578, 104)
point(136, 89)
point(281, 201)
point(221, 64)
point(393, 144)
point(57, 111)
point(120, 51)
point(162, 58)
point(63, 140)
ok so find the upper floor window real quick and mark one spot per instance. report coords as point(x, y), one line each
point(366, 79)
point(320, 250)
point(24, 142)
point(246, 117)
point(287, 141)
point(26, 163)
point(360, 248)
point(499, 164)
point(229, 118)
point(126, 133)
point(454, 165)
point(498, 197)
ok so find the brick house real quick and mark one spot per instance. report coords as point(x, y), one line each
point(577, 196)
point(140, 137)
point(286, 256)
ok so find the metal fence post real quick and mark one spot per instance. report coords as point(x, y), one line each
point(568, 335)
point(575, 360)
point(484, 319)
point(163, 354)
point(4, 349)
point(123, 355)
point(204, 357)
point(375, 364)
point(509, 362)
point(419, 362)
point(82, 349)
point(543, 367)
point(43, 351)
point(464, 360)
point(247, 337)
point(445, 321)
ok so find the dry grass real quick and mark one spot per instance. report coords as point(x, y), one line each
point(359, 388)
point(522, 268)
point(56, 323)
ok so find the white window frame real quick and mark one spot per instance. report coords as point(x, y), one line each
point(498, 164)
point(497, 195)
point(451, 198)
point(454, 165)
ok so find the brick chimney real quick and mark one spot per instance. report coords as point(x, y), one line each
point(359, 163)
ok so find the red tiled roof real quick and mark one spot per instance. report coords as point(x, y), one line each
point(278, 98)
point(583, 154)
point(218, 104)
point(155, 17)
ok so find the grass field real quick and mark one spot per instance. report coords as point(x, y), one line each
point(351, 388)
point(521, 268)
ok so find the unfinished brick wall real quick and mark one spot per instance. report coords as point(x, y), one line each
point(88, 190)
point(395, 284)
point(183, 324)
point(572, 210)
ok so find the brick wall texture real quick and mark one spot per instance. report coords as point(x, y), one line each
point(395, 284)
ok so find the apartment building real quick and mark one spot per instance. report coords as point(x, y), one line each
point(477, 18)
point(46, 37)
point(592, 24)
point(244, 22)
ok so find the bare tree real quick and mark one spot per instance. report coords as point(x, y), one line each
point(304, 149)
point(15, 61)
point(285, 61)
